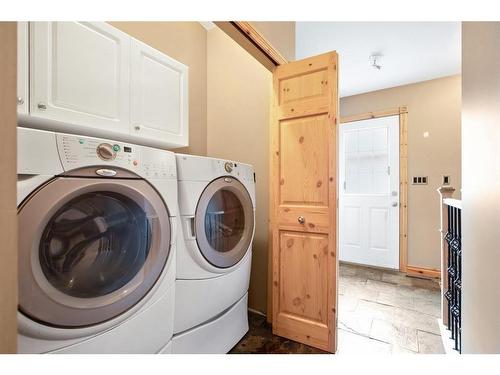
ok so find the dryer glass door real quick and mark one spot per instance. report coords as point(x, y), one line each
point(90, 249)
point(224, 222)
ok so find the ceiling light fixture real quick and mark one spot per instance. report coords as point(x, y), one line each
point(375, 60)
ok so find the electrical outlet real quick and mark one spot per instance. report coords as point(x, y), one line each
point(420, 180)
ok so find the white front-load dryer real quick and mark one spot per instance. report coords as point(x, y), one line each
point(97, 245)
point(217, 222)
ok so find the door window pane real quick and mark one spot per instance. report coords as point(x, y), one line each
point(366, 161)
point(95, 244)
point(224, 221)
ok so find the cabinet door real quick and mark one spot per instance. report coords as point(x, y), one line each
point(80, 75)
point(22, 68)
point(159, 97)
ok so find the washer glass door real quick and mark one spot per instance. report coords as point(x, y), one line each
point(224, 222)
point(89, 249)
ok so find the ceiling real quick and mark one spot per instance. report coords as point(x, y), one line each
point(412, 51)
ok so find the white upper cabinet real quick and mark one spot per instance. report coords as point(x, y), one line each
point(159, 95)
point(80, 76)
point(22, 68)
point(89, 78)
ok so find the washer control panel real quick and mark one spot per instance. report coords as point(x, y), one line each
point(78, 152)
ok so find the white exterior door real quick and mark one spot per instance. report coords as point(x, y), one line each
point(369, 192)
point(80, 75)
point(159, 96)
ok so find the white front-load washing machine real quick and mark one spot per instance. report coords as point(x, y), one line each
point(97, 245)
point(217, 220)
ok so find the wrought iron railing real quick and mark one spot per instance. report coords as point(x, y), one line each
point(453, 294)
point(451, 265)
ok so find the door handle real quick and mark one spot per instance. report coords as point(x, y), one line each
point(301, 219)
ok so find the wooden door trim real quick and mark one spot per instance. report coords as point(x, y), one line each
point(402, 112)
point(260, 41)
point(252, 41)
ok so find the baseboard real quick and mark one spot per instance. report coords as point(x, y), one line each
point(256, 312)
point(423, 272)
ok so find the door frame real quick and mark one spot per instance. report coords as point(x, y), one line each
point(402, 112)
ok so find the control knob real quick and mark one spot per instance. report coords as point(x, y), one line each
point(228, 167)
point(105, 151)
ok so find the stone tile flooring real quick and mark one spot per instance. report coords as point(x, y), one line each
point(387, 312)
point(380, 311)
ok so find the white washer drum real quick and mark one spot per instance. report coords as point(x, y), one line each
point(224, 222)
point(90, 248)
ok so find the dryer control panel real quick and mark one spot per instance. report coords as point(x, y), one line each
point(78, 152)
point(238, 170)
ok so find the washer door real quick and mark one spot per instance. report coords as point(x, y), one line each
point(224, 222)
point(89, 249)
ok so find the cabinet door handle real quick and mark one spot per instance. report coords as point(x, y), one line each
point(20, 101)
point(42, 106)
point(137, 128)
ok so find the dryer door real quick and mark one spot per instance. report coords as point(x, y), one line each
point(224, 222)
point(89, 249)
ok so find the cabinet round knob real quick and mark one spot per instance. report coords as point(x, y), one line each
point(301, 219)
point(137, 128)
point(20, 101)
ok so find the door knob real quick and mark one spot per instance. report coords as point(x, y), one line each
point(301, 219)
point(394, 204)
point(20, 101)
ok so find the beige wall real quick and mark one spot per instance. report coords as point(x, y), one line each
point(481, 187)
point(185, 42)
point(239, 96)
point(8, 209)
point(281, 35)
point(433, 106)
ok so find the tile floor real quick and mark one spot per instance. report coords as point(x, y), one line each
point(380, 311)
point(387, 312)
